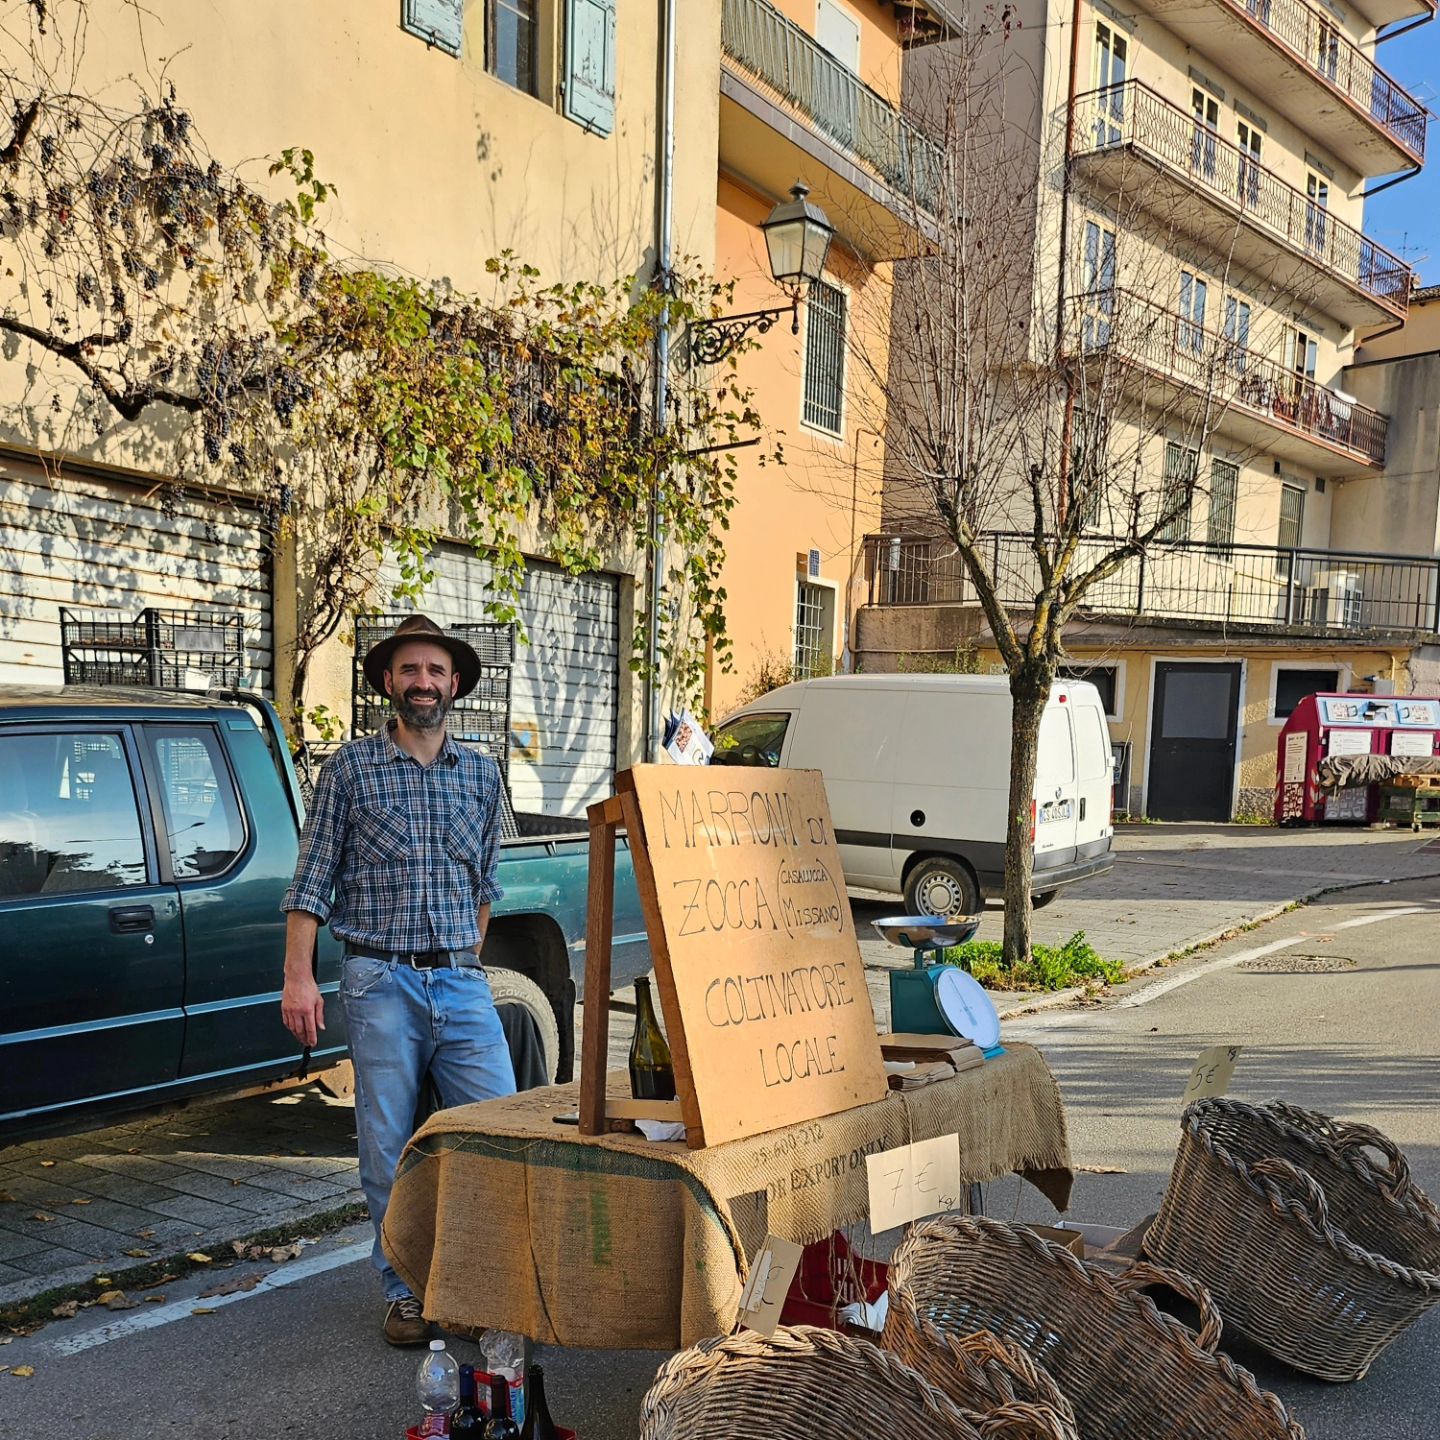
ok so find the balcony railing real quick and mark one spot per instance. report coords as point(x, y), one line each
point(1133, 114)
point(1318, 43)
point(790, 63)
point(1194, 581)
point(1222, 367)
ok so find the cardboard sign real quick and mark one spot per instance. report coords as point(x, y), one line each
point(1211, 1074)
point(763, 1298)
point(766, 1007)
point(913, 1181)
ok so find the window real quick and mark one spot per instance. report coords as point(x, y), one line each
point(440, 23)
point(1105, 678)
point(1224, 483)
point(68, 817)
point(750, 740)
point(1191, 332)
point(1237, 334)
point(1327, 49)
point(1317, 204)
point(1055, 762)
point(1177, 492)
point(1204, 150)
point(814, 629)
point(1292, 686)
point(1089, 467)
point(1098, 287)
point(837, 32)
point(202, 812)
point(590, 64)
point(512, 31)
point(1292, 516)
point(1112, 55)
point(825, 357)
point(1092, 741)
point(1248, 177)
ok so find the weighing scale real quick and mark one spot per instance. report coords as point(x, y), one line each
point(935, 998)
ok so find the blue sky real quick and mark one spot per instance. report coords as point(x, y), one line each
point(1406, 218)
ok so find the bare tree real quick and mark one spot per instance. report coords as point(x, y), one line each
point(1043, 410)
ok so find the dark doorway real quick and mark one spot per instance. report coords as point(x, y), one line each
point(1191, 775)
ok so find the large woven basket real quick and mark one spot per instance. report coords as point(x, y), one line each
point(1129, 1371)
point(1309, 1232)
point(805, 1382)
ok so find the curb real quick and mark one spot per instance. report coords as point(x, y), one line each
point(18, 1292)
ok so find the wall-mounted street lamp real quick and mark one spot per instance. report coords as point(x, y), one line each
point(797, 237)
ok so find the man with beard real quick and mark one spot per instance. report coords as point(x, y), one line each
point(398, 854)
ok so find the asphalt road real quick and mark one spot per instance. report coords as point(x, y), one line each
point(1353, 1039)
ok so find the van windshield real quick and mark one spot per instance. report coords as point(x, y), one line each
point(751, 740)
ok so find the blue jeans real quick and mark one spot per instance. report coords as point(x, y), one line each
point(405, 1023)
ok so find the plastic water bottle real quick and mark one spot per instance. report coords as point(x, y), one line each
point(438, 1386)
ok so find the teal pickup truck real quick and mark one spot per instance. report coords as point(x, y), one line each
point(146, 839)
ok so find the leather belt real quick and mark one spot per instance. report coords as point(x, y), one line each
point(418, 959)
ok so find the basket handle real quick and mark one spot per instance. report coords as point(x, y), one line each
point(1271, 1169)
point(1142, 1274)
point(1022, 1421)
point(1347, 1135)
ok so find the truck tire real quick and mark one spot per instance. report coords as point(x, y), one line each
point(1039, 902)
point(510, 987)
point(940, 886)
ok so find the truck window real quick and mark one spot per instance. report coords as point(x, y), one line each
point(1092, 740)
point(1056, 761)
point(750, 740)
point(68, 815)
point(202, 812)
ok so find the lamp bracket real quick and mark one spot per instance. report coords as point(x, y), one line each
point(712, 341)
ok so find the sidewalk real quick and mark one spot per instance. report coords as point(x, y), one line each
point(195, 1179)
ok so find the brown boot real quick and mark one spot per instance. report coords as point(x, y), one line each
point(405, 1324)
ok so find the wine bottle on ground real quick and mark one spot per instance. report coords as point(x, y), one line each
point(500, 1426)
point(467, 1423)
point(652, 1072)
point(538, 1424)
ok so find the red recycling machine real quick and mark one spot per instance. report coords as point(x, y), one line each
point(1325, 725)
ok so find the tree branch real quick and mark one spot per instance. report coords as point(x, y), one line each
point(24, 124)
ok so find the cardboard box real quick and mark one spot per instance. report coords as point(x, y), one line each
point(1070, 1238)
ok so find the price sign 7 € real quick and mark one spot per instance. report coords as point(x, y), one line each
point(1211, 1073)
point(913, 1181)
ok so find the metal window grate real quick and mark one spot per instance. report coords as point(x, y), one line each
point(1177, 492)
point(810, 645)
point(1292, 516)
point(1224, 485)
point(825, 357)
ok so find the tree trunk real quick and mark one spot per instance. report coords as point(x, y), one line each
point(1029, 691)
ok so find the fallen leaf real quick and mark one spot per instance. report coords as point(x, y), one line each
point(199, 1257)
point(165, 1279)
point(242, 1284)
point(143, 1234)
point(1101, 1170)
point(6, 1198)
point(42, 1216)
point(122, 1302)
point(109, 1297)
point(204, 1310)
point(66, 1310)
point(82, 1202)
point(47, 1164)
point(238, 1246)
point(140, 1254)
point(3, 1369)
point(102, 1280)
point(23, 1372)
point(155, 1299)
point(281, 1253)
point(133, 1150)
point(7, 1340)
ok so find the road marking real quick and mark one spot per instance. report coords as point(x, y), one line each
point(1226, 962)
point(159, 1315)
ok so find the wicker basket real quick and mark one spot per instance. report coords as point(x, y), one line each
point(1131, 1372)
point(807, 1381)
point(1317, 1251)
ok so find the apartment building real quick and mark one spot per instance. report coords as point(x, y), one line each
point(451, 130)
point(1198, 219)
point(810, 92)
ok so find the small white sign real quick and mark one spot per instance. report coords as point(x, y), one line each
point(1212, 1072)
point(913, 1181)
point(1411, 743)
point(771, 1272)
point(1295, 747)
point(1348, 742)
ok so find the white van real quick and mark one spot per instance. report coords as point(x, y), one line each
point(917, 768)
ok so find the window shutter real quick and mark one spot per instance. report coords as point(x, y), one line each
point(590, 64)
point(438, 22)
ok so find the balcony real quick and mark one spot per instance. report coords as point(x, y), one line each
point(788, 108)
point(1130, 140)
point(1174, 365)
point(1296, 57)
point(1271, 588)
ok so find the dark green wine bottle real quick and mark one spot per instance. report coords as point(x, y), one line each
point(652, 1072)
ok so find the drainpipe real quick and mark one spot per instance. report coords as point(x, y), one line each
point(664, 224)
point(1069, 421)
point(847, 657)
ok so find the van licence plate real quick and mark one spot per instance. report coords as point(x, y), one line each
point(1057, 810)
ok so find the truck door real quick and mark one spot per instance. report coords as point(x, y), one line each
point(91, 961)
point(1094, 763)
point(1056, 789)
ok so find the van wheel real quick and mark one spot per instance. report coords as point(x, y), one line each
point(941, 887)
point(510, 987)
point(1039, 902)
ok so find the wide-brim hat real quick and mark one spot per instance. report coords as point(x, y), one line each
point(421, 627)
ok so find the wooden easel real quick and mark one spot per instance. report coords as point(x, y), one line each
point(599, 1113)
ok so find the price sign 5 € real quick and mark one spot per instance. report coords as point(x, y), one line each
point(1210, 1076)
point(913, 1181)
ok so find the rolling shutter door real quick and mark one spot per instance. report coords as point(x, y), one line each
point(565, 701)
point(88, 543)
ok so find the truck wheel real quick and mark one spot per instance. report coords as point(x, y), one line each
point(1039, 902)
point(510, 987)
point(941, 887)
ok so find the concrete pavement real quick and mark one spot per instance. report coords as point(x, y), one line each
point(198, 1178)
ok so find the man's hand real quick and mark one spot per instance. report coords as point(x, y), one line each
point(303, 1009)
point(301, 1006)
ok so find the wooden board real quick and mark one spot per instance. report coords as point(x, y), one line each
point(761, 983)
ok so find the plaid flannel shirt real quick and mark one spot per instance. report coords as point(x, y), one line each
point(407, 851)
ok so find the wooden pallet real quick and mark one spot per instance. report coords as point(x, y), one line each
point(1413, 782)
